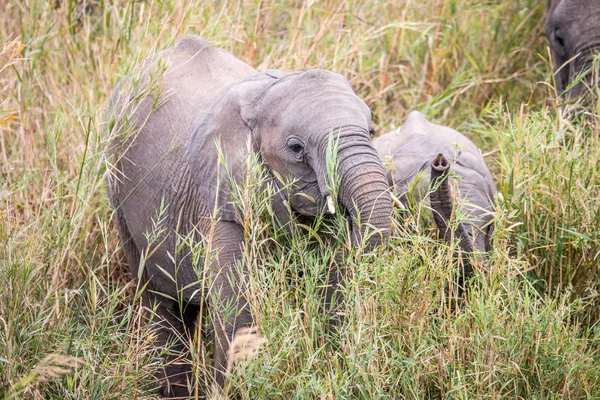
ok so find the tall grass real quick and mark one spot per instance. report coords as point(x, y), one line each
point(71, 325)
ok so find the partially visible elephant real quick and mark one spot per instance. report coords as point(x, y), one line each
point(182, 129)
point(424, 158)
point(573, 29)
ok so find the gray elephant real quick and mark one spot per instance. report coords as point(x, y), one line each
point(188, 121)
point(424, 158)
point(573, 29)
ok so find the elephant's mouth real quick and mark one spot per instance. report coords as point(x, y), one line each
point(307, 205)
point(341, 220)
point(309, 219)
point(306, 199)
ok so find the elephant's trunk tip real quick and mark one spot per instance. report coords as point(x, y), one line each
point(440, 164)
point(441, 197)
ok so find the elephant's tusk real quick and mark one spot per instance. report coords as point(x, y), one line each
point(397, 202)
point(330, 205)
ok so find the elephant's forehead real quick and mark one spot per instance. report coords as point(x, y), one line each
point(575, 14)
point(312, 101)
point(314, 86)
point(321, 103)
point(323, 117)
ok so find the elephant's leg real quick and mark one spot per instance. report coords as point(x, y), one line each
point(172, 337)
point(334, 298)
point(132, 254)
point(177, 373)
point(190, 315)
point(231, 316)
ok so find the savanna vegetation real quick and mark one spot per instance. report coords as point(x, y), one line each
point(71, 325)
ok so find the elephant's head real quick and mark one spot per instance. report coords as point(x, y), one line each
point(472, 234)
point(291, 118)
point(573, 28)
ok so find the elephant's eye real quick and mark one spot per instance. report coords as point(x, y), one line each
point(296, 147)
point(559, 38)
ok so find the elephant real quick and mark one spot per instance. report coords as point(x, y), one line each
point(441, 162)
point(573, 29)
point(189, 119)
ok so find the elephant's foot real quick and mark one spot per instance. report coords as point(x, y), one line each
point(245, 345)
point(175, 379)
point(173, 388)
point(217, 393)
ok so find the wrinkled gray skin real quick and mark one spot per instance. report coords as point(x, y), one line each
point(416, 147)
point(209, 96)
point(573, 28)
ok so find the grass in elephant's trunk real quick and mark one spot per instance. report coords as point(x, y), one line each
point(355, 177)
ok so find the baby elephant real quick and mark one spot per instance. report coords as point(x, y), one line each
point(182, 131)
point(455, 175)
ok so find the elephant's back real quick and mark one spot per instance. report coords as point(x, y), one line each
point(151, 117)
point(198, 72)
point(176, 86)
point(152, 114)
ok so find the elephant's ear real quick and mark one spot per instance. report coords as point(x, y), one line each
point(221, 144)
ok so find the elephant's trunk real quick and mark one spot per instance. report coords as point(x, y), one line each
point(442, 204)
point(364, 192)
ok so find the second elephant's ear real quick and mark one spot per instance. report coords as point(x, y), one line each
point(221, 143)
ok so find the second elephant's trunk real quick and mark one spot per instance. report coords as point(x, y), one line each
point(442, 204)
